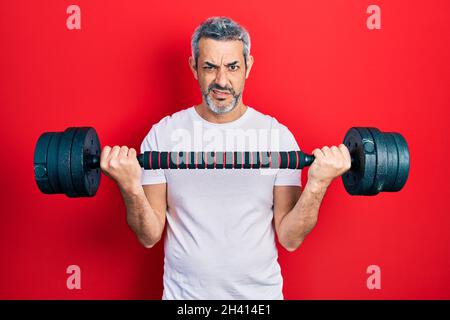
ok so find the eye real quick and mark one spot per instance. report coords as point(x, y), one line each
point(207, 68)
point(233, 67)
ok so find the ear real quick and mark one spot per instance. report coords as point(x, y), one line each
point(193, 67)
point(250, 61)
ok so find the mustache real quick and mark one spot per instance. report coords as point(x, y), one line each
point(217, 87)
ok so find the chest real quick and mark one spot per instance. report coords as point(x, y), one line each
point(221, 186)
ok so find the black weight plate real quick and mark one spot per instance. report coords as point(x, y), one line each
point(403, 162)
point(77, 165)
point(92, 147)
point(64, 154)
point(52, 162)
point(85, 180)
point(359, 179)
point(352, 177)
point(382, 161)
point(368, 155)
point(392, 167)
point(40, 163)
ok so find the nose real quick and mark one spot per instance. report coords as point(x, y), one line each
point(221, 78)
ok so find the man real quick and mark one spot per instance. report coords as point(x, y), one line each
point(221, 224)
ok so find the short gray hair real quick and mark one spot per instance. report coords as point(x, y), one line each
point(220, 28)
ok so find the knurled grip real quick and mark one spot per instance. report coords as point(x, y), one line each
point(152, 160)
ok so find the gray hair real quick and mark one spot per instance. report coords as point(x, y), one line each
point(220, 28)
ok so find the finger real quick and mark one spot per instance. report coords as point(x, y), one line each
point(326, 151)
point(105, 153)
point(132, 153)
point(114, 152)
point(345, 153)
point(104, 157)
point(337, 153)
point(318, 153)
point(123, 152)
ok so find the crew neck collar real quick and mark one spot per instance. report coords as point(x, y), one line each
point(239, 120)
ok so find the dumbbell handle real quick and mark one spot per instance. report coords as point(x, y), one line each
point(151, 160)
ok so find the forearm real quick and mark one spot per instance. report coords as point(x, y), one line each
point(141, 217)
point(296, 224)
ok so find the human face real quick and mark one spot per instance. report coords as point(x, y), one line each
point(221, 73)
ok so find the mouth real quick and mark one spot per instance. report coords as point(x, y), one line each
point(220, 94)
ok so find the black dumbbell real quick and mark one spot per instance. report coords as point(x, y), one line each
point(68, 162)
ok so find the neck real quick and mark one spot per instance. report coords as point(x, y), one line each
point(206, 113)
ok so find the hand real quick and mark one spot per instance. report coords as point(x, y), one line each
point(121, 165)
point(329, 163)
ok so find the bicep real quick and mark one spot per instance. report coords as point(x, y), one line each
point(284, 199)
point(156, 195)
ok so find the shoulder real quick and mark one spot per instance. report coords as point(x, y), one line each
point(170, 122)
point(282, 137)
point(164, 126)
point(173, 120)
point(271, 121)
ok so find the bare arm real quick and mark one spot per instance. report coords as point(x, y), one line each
point(145, 205)
point(296, 212)
point(146, 212)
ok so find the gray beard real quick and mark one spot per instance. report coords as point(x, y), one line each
point(221, 110)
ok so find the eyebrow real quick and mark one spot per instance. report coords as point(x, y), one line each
point(209, 64)
point(227, 65)
point(232, 63)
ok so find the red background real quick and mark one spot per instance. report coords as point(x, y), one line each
point(318, 69)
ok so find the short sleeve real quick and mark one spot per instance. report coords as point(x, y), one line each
point(288, 177)
point(150, 144)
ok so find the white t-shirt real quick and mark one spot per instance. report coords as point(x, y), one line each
point(220, 239)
